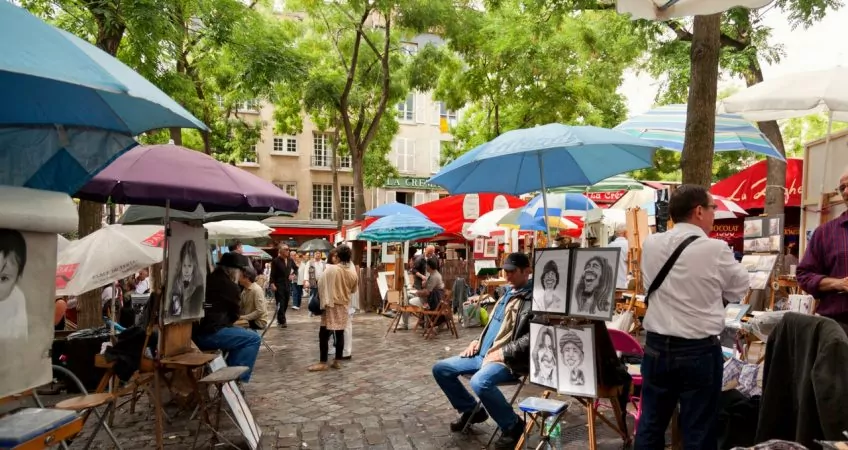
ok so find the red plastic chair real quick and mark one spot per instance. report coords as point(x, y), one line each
point(626, 344)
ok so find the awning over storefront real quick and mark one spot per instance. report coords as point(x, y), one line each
point(303, 231)
point(457, 212)
point(748, 187)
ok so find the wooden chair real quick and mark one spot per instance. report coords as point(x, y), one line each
point(393, 303)
point(444, 311)
point(86, 404)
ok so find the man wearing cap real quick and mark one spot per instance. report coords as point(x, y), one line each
point(501, 354)
point(216, 331)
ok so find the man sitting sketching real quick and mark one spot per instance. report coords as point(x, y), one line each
point(499, 355)
point(216, 331)
point(253, 309)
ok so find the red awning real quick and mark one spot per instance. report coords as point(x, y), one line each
point(748, 187)
point(303, 231)
point(450, 212)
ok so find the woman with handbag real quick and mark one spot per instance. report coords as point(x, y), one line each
point(335, 287)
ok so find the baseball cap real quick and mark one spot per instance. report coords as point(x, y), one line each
point(516, 261)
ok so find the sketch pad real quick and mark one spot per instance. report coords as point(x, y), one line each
point(29, 423)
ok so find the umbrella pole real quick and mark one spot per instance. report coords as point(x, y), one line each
point(544, 198)
point(161, 322)
point(826, 157)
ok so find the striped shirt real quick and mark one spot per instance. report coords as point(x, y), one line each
point(826, 256)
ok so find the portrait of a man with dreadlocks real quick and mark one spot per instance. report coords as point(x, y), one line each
point(593, 282)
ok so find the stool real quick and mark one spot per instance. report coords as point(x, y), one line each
point(218, 379)
point(540, 409)
point(519, 382)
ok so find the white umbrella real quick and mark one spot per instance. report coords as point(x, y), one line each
point(633, 199)
point(231, 229)
point(62, 243)
point(667, 9)
point(727, 209)
point(487, 223)
point(108, 254)
point(795, 95)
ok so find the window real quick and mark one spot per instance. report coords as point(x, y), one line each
point(345, 162)
point(406, 109)
point(409, 48)
point(287, 187)
point(348, 202)
point(447, 118)
point(404, 154)
point(321, 150)
point(285, 144)
point(322, 201)
point(251, 105)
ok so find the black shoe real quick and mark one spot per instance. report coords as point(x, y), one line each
point(283, 325)
point(509, 438)
point(466, 417)
point(347, 358)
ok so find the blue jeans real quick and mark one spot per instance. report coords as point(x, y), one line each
point(241, 345)
point(687, 371)
point(297, 294)
point(484, 383)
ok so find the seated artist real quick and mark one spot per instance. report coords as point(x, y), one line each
point(253, 309)
point(499, 355)
point(216, 331)
point(434, 288)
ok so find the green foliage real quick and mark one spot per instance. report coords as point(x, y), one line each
point(801, 130)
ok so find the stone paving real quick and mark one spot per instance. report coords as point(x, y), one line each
point(384, 398)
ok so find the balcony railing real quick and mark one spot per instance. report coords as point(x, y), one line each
point(324, 161)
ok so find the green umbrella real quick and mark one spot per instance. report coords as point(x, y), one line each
point(611, 184)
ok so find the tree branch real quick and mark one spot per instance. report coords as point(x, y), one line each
point(384, 98)
point(343, 99)
point(686, 36)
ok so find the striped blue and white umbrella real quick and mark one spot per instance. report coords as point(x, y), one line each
point(665, 126)
point(400, 228)
point(560, 204)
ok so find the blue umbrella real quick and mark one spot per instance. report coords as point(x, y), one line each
point(665, 126)
point(394, 208)
point(559, 204)
point(69, 108)
point(400, 228)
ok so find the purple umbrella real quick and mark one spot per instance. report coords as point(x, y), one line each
point(150, 175)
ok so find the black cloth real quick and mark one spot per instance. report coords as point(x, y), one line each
point(737, 420)
point(222, 303)
point(282, 298)
point(419, 265)
point(805, 384)
point(126, 353)
point(281, 269)
point(516, 352)
point(324, 344)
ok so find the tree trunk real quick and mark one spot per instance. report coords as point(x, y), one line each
point(337, 190)
point(697, 159)
point(176, 135)
point(357, 163)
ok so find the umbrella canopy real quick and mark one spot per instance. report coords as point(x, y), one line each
point(150, 175)
point(232, 229)
point(668, 9)
point(110, 253)
point(552, 155)
point(644, 199)
point(246, 250)
point(68, 107)
point(560, 204)
point(155, 215)
point(487, 223)
point(666, 126)
point(456, 213)
point(523, 221)
point(316, 245)
point(393, 208)
point(727, 209)
point(794, 95)
point(400, 228)
point(611, 184)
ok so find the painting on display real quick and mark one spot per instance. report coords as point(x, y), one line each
point(490, 249)
point(576, 362)
point(592, 283)
point(543, 355)
point(186, 283)
point(479, 243)
point(27, 263)
point(550, 292)
point(753, 228)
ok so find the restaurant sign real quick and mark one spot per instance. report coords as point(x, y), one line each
point(745, 194)
point(605, 197)
point(411, 183)
point(732, 231)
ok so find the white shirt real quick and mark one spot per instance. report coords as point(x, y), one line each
point(143, 286)
point(688, 304)
point(622, 243)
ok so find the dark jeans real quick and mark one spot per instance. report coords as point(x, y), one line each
point(324, 343)
point(297, 294)
point(687, 371)
point(282, 298)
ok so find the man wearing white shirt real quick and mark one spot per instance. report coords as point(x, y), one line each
point(142, 284)
point(683, 361)
point(621, 242)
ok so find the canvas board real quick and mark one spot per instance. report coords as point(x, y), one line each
point(592, 283)
point(576, 370)
point(550, 289)
point(543, 355)
point(241, 412)
point(186, 283)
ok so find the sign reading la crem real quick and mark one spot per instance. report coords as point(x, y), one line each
point(411, 183)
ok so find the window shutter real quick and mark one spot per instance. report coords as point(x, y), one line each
point(410, 155)
point(436, 111)
point(435, 156)
point(390, 196)
point(419, 199)
point(421, 108)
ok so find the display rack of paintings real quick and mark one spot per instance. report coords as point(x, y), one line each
point(762, 244)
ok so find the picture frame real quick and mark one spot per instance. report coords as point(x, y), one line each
point(592, 283)
point(550, 291)
point(734, 312)
point(543, 355)
point(576, 367)
point(185, 290)
point(490, 249)
point(479, 245)
point(753, 227)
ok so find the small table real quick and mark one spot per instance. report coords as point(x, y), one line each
point(540, 409)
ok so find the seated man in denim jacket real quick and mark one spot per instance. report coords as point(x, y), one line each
point(500, 355)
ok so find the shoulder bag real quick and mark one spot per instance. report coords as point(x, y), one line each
point(666, 268)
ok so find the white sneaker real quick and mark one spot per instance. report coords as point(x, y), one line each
point(295, 308)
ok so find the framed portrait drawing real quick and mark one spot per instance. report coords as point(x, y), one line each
point(490, 249)
point(550, 289)
point(575, 355)
point(478, 245)
point(753, 227)
point(186, 283)
point(543, 355)
point(592, 283)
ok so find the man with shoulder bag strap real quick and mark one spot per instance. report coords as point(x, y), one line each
point(690, 277)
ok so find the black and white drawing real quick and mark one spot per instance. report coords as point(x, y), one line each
point(757, 245)
point(751, 262)
point(550, 290)
point(576, 362)
point(543, 355)
point(13, 302)
point(593, 283)
point(774, 243)
point(766, 262)
point(186, 273)
point(753, 228)
point(774, 226)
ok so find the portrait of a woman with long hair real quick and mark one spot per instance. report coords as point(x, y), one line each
point(543, 356)
point(186, 288)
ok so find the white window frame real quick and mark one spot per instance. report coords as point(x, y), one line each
point(284, 145)
point(347, 198)
point(289, 187)
point(321, 154)
point(406, 109)
point(248, 106)
point(405, 155)
point(322, 201)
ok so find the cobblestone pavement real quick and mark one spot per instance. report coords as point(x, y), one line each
point(384, 398)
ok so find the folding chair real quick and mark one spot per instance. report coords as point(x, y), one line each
point(267, 326)
point(444, 311)
point(520, 383)
point(626, 344)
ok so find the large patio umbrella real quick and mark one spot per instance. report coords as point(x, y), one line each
point(68, 107)
point(155, 215)
point(560, 204)
point(611, 184)
point(393, 208)
point(665, 126)
point(234, 229)
point(400, 228)
point(315, 245)
point(159, 175)
point(667, 9)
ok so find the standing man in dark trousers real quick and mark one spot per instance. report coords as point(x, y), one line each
point(690, 277)
point(282, 273)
